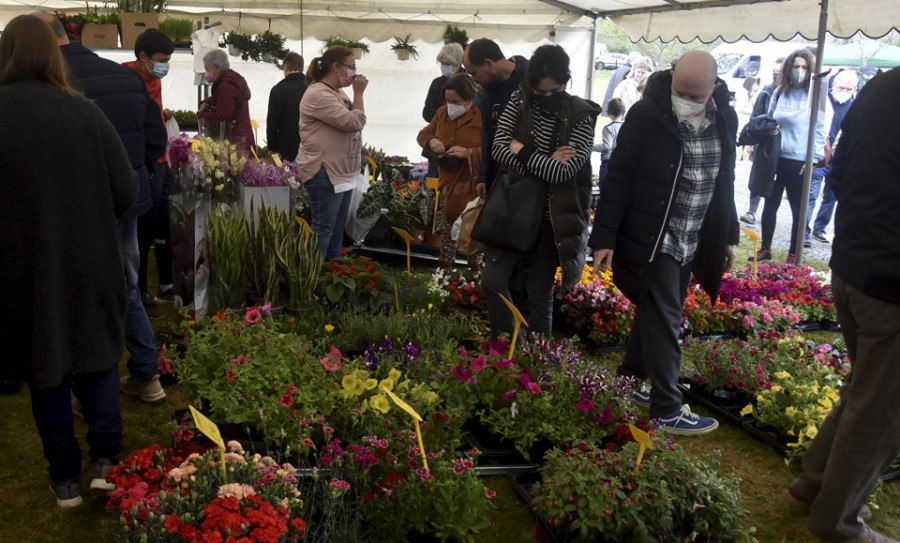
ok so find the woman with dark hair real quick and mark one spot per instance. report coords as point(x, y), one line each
point(547, 133)
point(789, 106)
point(230, 99)
point(331, 143)
point(64, 302)
point(454, 134)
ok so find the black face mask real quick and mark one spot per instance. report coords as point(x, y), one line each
point(553, 102)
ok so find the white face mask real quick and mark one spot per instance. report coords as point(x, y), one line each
point(841, 97)
point(446, 71)
point(455, 111)
point(798, 76)
point(685, 109)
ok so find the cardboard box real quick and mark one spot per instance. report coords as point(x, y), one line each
point(100, 36)
point(133, 24)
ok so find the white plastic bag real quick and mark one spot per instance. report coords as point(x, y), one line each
point(172, 127)
point(356, 228)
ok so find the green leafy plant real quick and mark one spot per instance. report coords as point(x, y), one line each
point(265, 47)
point(177, 29)
point(593, 494)
point(359, 282)
point(185, 117)
point(108, 17)
point(229, 235)
point(402, 44)
point(454, 34)
point(302, 264)
point(344, 42)
point(268, 228)
point(141, 6)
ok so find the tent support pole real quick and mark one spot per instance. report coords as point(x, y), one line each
point(589, 87)
point(815, 94)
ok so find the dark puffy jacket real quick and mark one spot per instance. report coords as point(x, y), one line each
point(641, 186)
point(230, 102)
point(121, 95)
point(758, 132)
point(864, 177)
point(283, 119)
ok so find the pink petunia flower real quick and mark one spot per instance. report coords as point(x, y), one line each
point(267, 309)
point(479, 363)
point(252, 315)
point(334, 360)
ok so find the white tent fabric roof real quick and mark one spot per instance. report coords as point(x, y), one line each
point(529, 19)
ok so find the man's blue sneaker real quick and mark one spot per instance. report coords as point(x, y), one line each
point(641, 396)
point(685, 423)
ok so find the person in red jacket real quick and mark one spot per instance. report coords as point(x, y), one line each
point(230, 99)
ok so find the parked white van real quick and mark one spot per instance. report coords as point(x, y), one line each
point(736, 61)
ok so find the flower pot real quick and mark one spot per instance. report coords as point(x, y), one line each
point(134, 24)
point(277, 197)
point(402, 54)
point(357, 52)
point(433, 239)
point(234, 50)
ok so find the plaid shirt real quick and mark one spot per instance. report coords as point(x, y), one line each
point(702, 157)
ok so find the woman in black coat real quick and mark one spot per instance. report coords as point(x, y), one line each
point(65, 177)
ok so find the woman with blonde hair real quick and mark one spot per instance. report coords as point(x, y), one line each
point(64, 301)
point(331, 143)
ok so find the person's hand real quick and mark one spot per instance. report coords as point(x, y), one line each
point(777, 129)
point(729, 259)
point(564, 153)
point(437, 146)
point(602, 259)
point(802, 168)
point(360, 83)
point(515, 146)
point(480, 190)
point(363, 156)
point(457, 151)
point(168, 113)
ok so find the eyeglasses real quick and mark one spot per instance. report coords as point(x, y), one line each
point(348, 66)
point(845, 89)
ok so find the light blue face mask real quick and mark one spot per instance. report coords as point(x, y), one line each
point(160, 69)
point(446, 71)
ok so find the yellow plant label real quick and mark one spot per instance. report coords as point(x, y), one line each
point(401, 404)
point(254, 124)
point(210, 430)
point(643, 439)
point(408, 239)
point(277, 160)
point(753, 235)
point(520, 320)
point(431, 183)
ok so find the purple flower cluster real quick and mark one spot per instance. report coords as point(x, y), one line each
point(261, 174)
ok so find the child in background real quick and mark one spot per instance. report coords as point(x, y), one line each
point(616, 111)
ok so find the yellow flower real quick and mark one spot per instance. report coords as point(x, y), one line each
point(370, 384)
point(387, 384)
point(329, 328)
point(380, 403)
point(811, 431)
point(394, 375)
point(782, 375)
point(747, 410)
point(430, 306)
point(791, 411)
point(352, 386)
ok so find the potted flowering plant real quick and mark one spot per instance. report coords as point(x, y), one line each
point(591, 494)
point(301, 264)
point(404, 49)
point(164, 495)
point(266, 240)
point(263, 184)
point(360, 282)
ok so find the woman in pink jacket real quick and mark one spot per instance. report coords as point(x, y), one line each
point(331, 143)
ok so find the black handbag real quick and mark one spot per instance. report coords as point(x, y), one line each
point(513, 213)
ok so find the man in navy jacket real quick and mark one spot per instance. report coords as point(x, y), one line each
point(666, 210)
point(122, 96)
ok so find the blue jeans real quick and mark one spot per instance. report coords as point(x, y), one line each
point(52, 409)
point(329, 214)
point(826, 208)
point(815, 185)
point(139, 338)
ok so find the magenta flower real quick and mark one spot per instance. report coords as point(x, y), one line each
point(229, 374)
point(462, 373)
point(510, 395)
point(287, 400)
point(334, 360)
point(267, 309)
point(252, 315)
point(534, 388)
point(584, 405)
point(479, 363)
point(503, 364)
point(488, 493)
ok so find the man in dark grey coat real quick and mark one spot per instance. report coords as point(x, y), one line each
point(860, 438)
point(666, 210)
point(283, 118)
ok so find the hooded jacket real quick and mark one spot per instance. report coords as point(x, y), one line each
point(758, 132)
point(641, 186)
point(230, 101)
